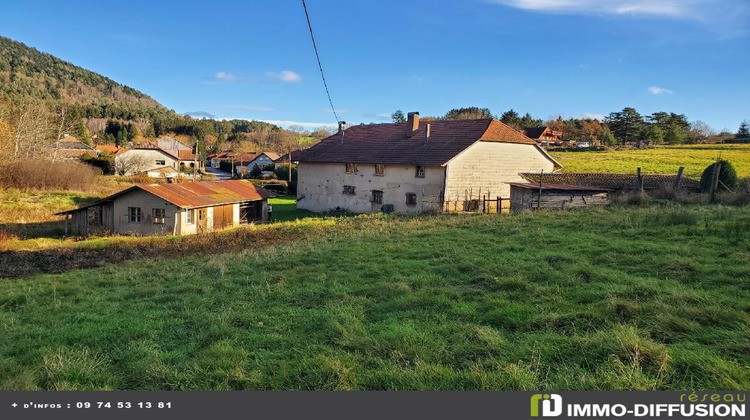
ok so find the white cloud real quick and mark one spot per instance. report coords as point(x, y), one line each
point(668, 8)
point(589, 116)
point(225, 77)
point(378, 117)
point(656, 90)
point(338, 111)
point(284, 76)
point(287, 123)
point(248, 107)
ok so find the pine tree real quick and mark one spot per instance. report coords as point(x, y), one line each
point(744, 131)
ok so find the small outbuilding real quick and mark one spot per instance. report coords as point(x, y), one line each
point(171, 209)
point(526, 196)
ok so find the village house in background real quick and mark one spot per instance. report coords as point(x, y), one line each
point(544, 136)
point(171, 209)
point(416, 167)
point(110, 148)
point(70, 147)
point(158, 161)
point(250, 161)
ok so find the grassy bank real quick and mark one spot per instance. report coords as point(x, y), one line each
point(658, 160)
point(618, 298)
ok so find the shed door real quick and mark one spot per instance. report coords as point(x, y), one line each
point(222, 216)
point(202, 221)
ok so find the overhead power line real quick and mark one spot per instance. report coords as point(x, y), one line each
point(320, 66)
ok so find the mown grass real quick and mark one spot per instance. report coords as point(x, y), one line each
point(615, 298)
point(658, 160)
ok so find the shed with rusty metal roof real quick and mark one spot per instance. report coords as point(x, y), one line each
point(171, 209)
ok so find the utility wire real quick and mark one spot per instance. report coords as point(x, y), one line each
point(320, 66)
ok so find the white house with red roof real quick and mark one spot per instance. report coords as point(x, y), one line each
point(416, 167)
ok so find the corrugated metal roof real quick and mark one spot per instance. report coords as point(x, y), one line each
point(194, 194)
point(205, 194)
point(613, 181)
point(558, 187)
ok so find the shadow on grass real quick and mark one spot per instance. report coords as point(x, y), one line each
point(53, 229)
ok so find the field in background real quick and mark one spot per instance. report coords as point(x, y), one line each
point(614, 298)
point(658, 160)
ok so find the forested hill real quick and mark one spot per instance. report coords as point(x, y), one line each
point(27, 72)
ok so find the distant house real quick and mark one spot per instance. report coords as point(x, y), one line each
point(171, 209)
point(544, 135)
point(148, 157)
point(248, 162)
point(70, 147)
point(107, 148)
point(172, 145)
point(416, 167)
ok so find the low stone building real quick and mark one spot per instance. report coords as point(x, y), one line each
point(171, 209)
point(416, 167)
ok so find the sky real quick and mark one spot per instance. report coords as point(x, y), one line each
point(254, 59)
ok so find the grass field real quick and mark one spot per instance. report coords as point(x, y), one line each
point(615, 298)
point(658, 160)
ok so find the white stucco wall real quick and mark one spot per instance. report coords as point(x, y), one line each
point(133, 162)
point(490, 166)
point(321, 187)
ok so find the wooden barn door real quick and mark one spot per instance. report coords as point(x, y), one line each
point(202, 220)
point(223, 216)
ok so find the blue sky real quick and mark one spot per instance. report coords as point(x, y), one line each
point(254, 59)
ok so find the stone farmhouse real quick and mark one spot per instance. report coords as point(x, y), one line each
point(416, 167)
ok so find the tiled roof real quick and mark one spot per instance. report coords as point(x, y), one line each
point(614, 181)
point(194, 194)
point(186, 155)
point(110, 148)
point(388, 143)
point(534, 132)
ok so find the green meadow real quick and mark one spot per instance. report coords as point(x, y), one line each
point(653, 297)
point(665, 160)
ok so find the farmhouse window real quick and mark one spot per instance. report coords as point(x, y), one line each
point(161, 162)
point(379, 169)
point(159, 215)
point(351, 168)
point(411, 199)
point(420, 172)
point(377, 197)
point(134, 214)
point(349, 190)
point(190, 217)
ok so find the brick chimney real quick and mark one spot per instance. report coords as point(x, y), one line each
point(412, 123)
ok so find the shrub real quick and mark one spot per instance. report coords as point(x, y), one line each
point(105, 162)
point(48, 175)
point(727, 176)
point(282, 172)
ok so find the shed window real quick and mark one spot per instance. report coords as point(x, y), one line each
point(351, 168)
point(190, 216)
point(161, 162)
point(159, 215)
point(377, 197)
point(379, 169)
point(349, 190)
point(411, 199)
point(420, 172)
point(134, 214)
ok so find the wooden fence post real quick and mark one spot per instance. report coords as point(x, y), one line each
point(715, 180)
point(640, 181)
point(679, 178)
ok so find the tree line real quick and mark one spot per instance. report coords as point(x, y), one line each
point(620, 127)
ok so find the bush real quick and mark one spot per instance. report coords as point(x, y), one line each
point(282, 172)
point(105, 162)
point(727, 177)
point(48, 175)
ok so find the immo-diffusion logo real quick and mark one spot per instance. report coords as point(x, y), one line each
point(551, 405)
